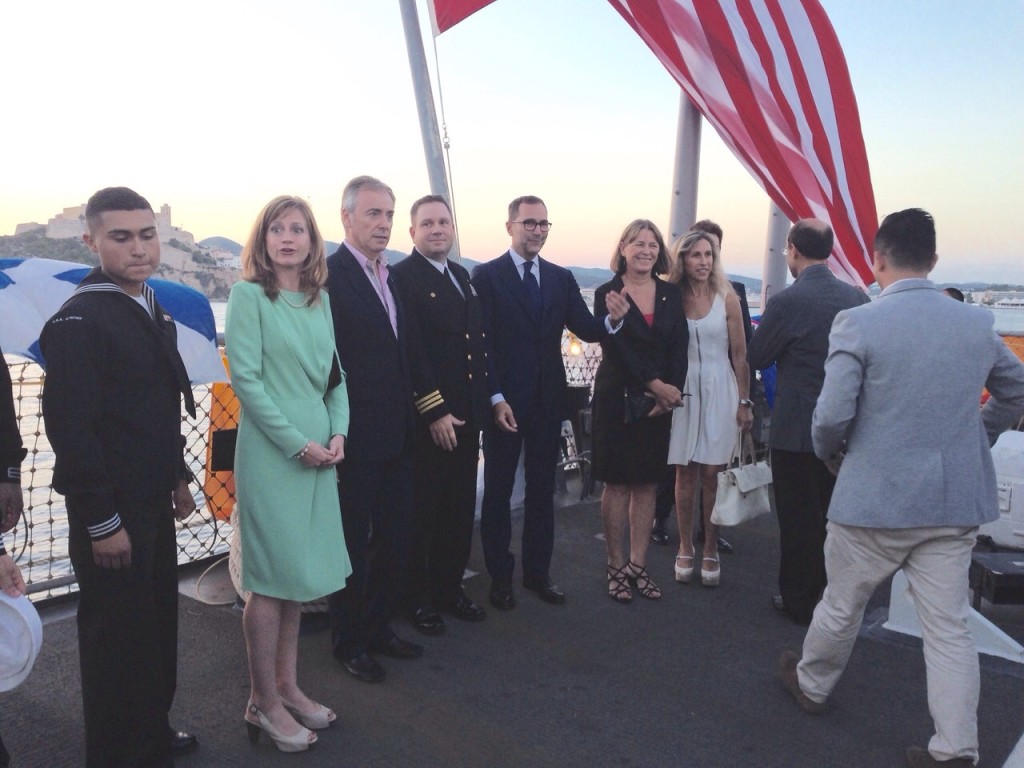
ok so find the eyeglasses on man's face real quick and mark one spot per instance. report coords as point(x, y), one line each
point(531, 224)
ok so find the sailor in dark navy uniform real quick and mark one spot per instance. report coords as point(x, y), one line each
point(112, 408)
point(449, 372)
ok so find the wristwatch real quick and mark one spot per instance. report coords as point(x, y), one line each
point(746, 402)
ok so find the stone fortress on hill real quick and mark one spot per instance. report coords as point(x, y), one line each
point(210, 270)
point(71, 223)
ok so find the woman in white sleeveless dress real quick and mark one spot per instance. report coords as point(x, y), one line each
point(704, 430)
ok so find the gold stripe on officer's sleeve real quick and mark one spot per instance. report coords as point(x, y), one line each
point(427, 402)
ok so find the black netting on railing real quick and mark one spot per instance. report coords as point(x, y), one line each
point(581, 361)
point(39, 542)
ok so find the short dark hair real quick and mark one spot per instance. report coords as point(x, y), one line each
point(113, 199)
point(812, 238)
point(708, 226)
point(907, 239)
point(954, 293)
point(631, 233)
point(428, 199)
point(513, 207)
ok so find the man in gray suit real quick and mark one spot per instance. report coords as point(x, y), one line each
point(917, 478)
point(793, 335)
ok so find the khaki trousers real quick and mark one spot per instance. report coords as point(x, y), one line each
point(935, 561)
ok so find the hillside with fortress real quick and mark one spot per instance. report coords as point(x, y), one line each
point(212, 270)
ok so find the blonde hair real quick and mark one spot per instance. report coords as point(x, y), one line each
point(631, 233)
point(717, 280)
point(256, 264)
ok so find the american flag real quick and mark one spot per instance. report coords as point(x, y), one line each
point(770, 76)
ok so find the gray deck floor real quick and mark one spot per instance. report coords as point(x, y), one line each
point(685, 681)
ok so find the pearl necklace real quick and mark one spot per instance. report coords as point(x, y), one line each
point(293, 306)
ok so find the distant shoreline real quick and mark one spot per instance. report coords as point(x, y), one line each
point(1006, 320)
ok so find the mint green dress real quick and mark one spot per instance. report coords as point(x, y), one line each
point(293, 546)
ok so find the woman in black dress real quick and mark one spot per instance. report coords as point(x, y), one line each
point(643, 366)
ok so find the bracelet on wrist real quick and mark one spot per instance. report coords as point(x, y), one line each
point(304, 451)
point(747, 402)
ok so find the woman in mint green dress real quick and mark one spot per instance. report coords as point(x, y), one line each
point(291, 436)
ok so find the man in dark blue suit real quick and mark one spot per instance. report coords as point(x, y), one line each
point(375, 481)
point(527, 302)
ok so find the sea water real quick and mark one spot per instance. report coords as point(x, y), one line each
point(1008, 320)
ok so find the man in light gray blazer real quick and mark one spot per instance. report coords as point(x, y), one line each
point(793, 334)
point(900, 406)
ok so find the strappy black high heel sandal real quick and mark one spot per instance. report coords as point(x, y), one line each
point(642, 581)
point(618, 585)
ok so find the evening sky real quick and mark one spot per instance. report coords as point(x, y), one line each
point(215, 106)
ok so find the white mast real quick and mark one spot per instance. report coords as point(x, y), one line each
point(684, 201)
point(773, 274)
point(425, 106)
point(687, 169)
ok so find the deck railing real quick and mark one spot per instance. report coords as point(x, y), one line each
point(39, 543)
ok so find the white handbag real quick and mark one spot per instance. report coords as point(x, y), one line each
point(742, 488)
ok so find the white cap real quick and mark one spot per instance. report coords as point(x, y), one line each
point(21, 637)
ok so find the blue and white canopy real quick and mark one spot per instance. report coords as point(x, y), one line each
point(32, 290)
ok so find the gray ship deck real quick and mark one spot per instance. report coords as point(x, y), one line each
point(687, 680)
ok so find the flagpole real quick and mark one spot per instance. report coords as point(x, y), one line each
point(425, 107)
point(687, 168)
point(775, 269)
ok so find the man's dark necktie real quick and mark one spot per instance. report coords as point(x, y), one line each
point(532, 288)
point(451, 281)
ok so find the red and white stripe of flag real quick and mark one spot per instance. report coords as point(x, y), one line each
point(771, 77)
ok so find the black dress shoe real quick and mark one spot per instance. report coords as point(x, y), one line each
point(724, 546)
point(363, 667)
point(396, 648)
point(183, 743)
point(545, 590)
point(659, 532)
point(501, 596)
point(464, 608)
point(427, 620)
point(804, 620)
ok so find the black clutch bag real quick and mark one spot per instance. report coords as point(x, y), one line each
point(222, 450)
point(638, 405)
point(222, 441)
point(334, 379)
